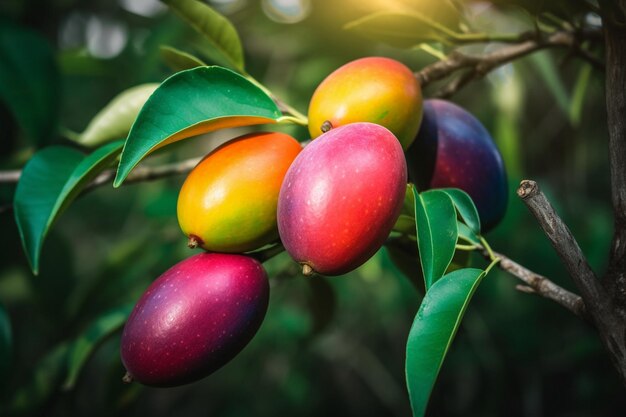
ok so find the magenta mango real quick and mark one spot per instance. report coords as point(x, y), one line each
point(194, 318)
point(341, 197)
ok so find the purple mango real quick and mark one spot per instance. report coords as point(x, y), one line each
point(453, 149)
point(194, 319)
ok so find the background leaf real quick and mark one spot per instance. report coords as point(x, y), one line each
point(218, 30)
point(116, 118)
point(179, 60)
point(49, 183)
point(44, 382)
point(406, 29)
point(213, 98)
point(466, 208)
point(433, 330)
point(29, 81)
point(85, 345)
point(6, 342)
point(437, 233)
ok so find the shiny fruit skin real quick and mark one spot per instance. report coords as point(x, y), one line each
point(374, 89)
point(341, 197)
point(194, 319)
point(453, 149)
point(228, 201)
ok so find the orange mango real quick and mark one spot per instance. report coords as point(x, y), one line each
point(374, 89)
point(228, 201)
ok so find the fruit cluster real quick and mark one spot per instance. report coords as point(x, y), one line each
point(332, 204)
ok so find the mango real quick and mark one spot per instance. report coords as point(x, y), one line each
point(194, 319)
point(373, 89)
point(228, 201)
point(341, 198)
point(453, 149)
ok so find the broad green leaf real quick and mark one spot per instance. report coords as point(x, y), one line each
point(29, 81)
point(85, 345)
point(116, 118)
point(190, 103)
point(465, 206)
point(438, 23)
point(50, 181)
point(6, 342)
point(433, 330)
point(437, 233)
point(179, 60)
point(218, 30)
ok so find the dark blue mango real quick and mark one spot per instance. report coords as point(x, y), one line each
point(453, 149)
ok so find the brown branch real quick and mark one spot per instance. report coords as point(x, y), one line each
point(10, 177)
point(540, 285)
point(143, 174)
point(615, 33)
point(600, 306)
point(477, 66)
point(563, 242)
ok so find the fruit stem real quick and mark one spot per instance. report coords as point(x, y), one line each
point(127, 378)
point(307, 271)
point(492, 256)
point(194, 241)
point(466, 247)
point(326, 126)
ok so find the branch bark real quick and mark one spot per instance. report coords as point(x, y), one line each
point(535, 283)
point(477, 66)
point(611, 327)
point(615, 35)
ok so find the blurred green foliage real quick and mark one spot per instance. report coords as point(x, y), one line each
point(327, 346)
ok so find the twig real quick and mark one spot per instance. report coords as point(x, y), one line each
point(564, 243)
point(10, 177)
point(477, 66)
point(540, 285)
point(142, 174)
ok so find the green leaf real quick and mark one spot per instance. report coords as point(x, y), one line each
point(116, 118)
point(433, 330)
point(437, 22)
point(29, 81)
point(552, 79)
point(6, 343)
point(179, 60)
point(467, 234)
point(85, 345)
point(50, 181)
point(218, 30)
point(437, 233)
point(579, 95)
point(43, 383)
point(406, 221)
point(465, 206)
point(192, 102)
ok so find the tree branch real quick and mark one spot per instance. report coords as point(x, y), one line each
point(540, 285)
point(615, 34)
point(142, 174)
point(609, 323)
point(564, 243)
point(477, 66)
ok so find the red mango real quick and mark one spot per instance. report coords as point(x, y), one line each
point(341, 197)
